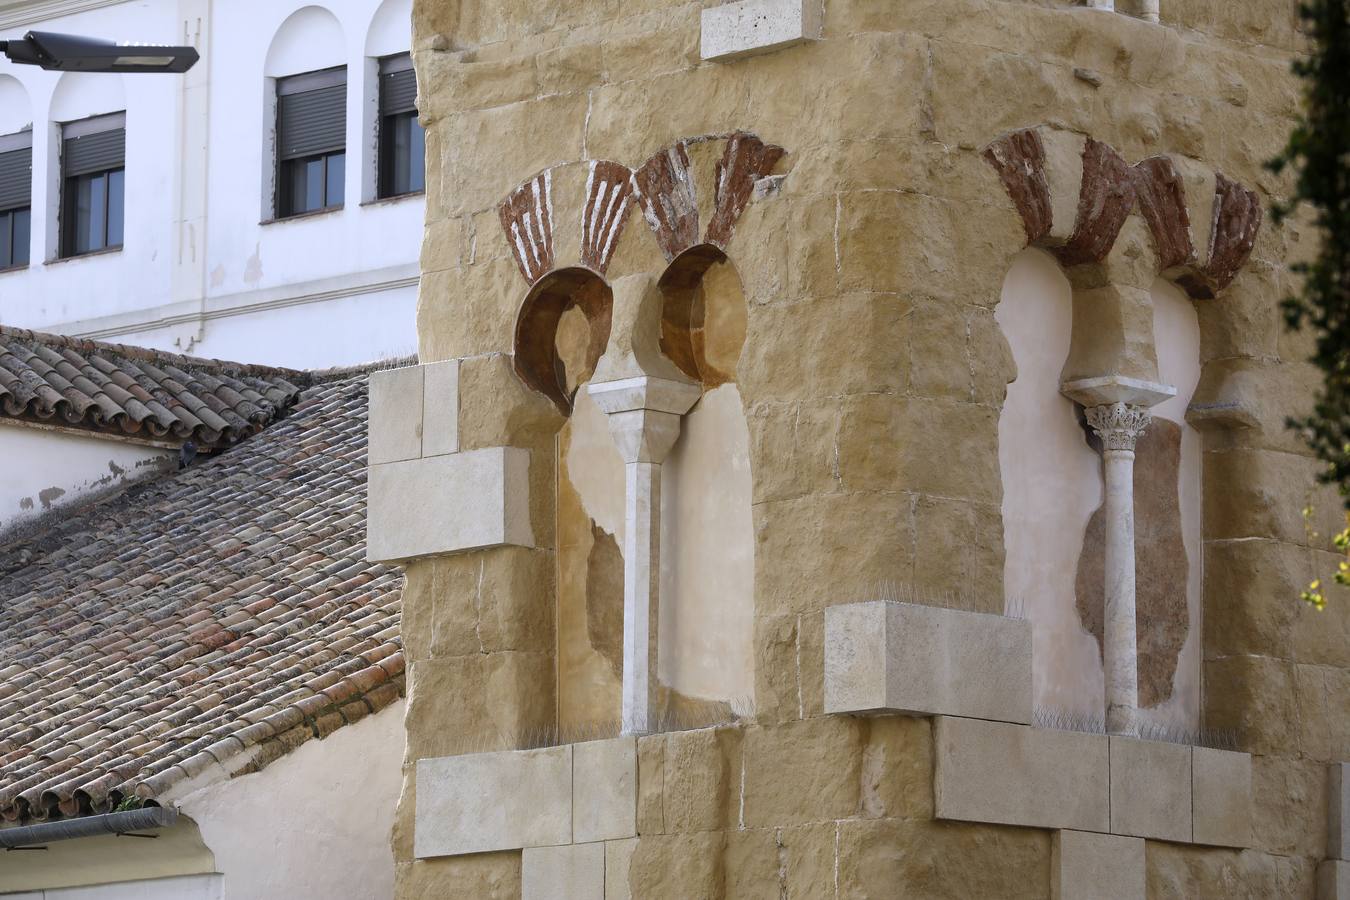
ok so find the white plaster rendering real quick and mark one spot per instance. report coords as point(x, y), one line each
point(1051, 486)
point(644, 418)
point(62, 467)
point(1119, 426)
point(16, 113)
point(446, 504)
point(198, 272)
point(749, 27)
point(926, 660)
point(328, 807)
point(707, 563)
point(1176, 335)
point(643, 396)
point(493, 801)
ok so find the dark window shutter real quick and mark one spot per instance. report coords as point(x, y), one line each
point(96, 152)
point(398, 92)
point(312, 122)
point(16, 179)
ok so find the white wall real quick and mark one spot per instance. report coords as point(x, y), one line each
point(199, 271)
point(315, 824)
point(1051, 486)
point(59, 467)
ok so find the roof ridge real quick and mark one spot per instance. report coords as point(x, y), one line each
point(148, 354)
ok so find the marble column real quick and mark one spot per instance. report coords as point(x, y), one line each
point(643, 395)
point(644, 418)
point(1119, 426)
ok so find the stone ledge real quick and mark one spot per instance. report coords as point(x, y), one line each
point(1150, 789)
point(604, 775)
point(486, 802)
point(927, 660)
point(447, 504)
point(1088, 866)
point(1333, 880)
point(1016, 775)
point(1338, 811)
point(414, 412)
point(749, 27)
point(575, 872)
point(1221, 798)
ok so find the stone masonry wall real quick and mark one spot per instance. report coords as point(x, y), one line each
point(872, 375)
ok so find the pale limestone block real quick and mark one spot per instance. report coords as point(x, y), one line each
point(1333, 880)
point(604, 778)
point(1087, 866)
point(485, 802)
point(1221, 797)
point(757, 26)
point(1017, 775)
point(1150, 789)
point(440, 408)
point(445, 504)
point(576, 872)
point(395, 421)
point(927, 660)
point(1338, 811)
point(618, 860)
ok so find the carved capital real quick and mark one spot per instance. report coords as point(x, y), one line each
point(1119, 425)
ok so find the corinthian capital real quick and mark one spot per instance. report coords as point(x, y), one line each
point(1119, 425)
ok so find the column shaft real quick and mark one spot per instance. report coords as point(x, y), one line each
point(1120, 656)
point(641, 578)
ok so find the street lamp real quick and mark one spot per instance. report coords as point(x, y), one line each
point(72, 53)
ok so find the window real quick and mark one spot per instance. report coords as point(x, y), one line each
point(402, 141)
point(311, 141)
point(16, 191)
point(93, 163)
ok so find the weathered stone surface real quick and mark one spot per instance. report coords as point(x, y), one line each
point(618, 858)
point(1016, 775)
point(1289, 814)
point(483, 802)
point(1221, 797)
point(700, 779)
point(604, 792)
point(897, 768)
point(940, 860)
point(447, 504)
point(1338, 811)
point(395, 414)
point(757, 26)
point(440, 408)
point(574, 872)
point(927, 660)
point(678, 866)
point(482, 876)
point(1150, 789)
point(801, 772)
point(1333, 880)
point(1087, 866)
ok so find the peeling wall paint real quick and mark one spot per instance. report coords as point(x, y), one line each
point(47, 469)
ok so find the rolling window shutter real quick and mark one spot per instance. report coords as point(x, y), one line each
point(312, 122)
point(97, 152)
point(16, 179)
point(398, 92)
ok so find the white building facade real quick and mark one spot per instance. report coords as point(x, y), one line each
point(209, 239)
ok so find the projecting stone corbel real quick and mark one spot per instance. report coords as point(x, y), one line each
point(1204, 225)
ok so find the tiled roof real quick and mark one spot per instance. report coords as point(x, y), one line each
point(116, 389)
point(209, 621)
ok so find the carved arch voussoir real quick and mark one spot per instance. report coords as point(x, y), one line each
point(1200, 245)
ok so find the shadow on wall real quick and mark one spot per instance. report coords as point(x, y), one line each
point(707, 553)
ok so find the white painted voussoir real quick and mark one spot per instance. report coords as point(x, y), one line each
point(750, 27)
point(448, 504)
point(927, 660)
